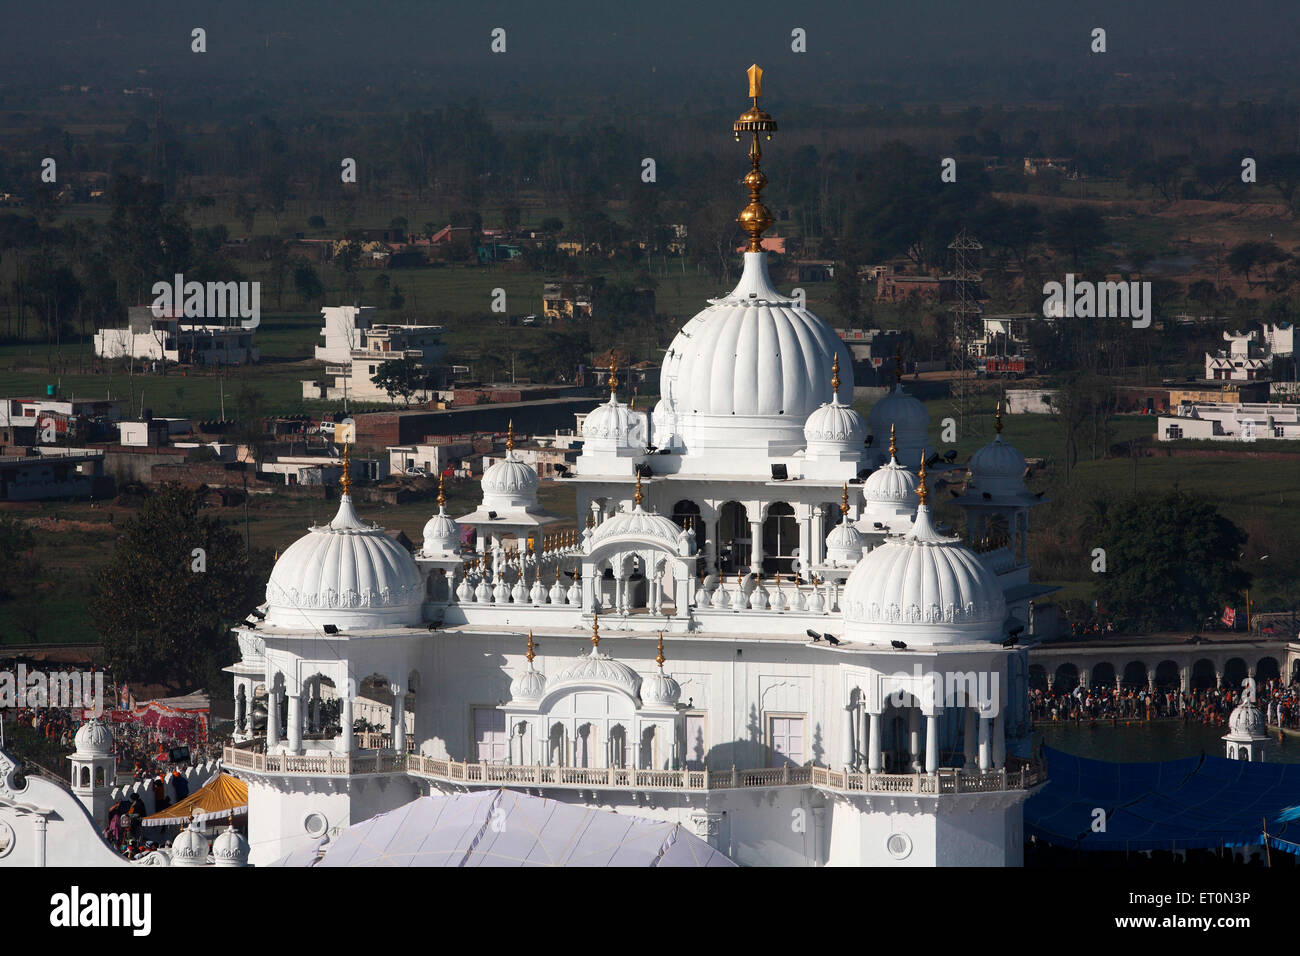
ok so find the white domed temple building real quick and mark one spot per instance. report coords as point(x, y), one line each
point(762, 633)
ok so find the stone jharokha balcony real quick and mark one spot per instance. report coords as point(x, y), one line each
point(945, 781)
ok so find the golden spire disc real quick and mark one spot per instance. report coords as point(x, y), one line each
point(442, 492)
point(637, 497)
point(922, 491)
point(530, 655)
point(893, 443)
point(844, 500)
point(595, 629)
point(997, 419)
point(613, 374)
point(835, 377)
point(659, 658)
point(510, 436)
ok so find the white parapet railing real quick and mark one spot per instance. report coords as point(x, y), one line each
point(945, 781)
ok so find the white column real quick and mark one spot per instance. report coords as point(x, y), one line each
point(345, 720)
point(273, 718)
point(985, 756)
point(873, 755)
point(805, 540)
point(818, 543)
point(999, 731)
point(849, 748)
point(931, 743)
point(239, 731)
point(756, 548)
point(397, 728)
point(914, 736)
point(294, 720)
point(970, 746)
point(38, 851)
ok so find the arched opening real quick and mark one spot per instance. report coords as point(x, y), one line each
point(1168, 675)
point(1267, 669)
point(241, 710)
point(99, 776)
point(557, 751)
point(1203, 675)
point(1103, 676)
point(85, 776)
point(584, 744)
point(902, 734)
point(734, 543)
point(688, 512)
point(780, 539)
point(1234, 672)
point(1135, 676)
point(1037, 677)
point(1066, 679)
point(618, 746)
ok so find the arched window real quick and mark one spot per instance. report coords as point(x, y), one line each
point(780, 539)
point(85, 776)
point(683, 513)
point(99, 776)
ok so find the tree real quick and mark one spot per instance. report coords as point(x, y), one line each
point(164, 610)
point(400, 378)
point(306, 281)
point(1076, 232)
point(1171, 562)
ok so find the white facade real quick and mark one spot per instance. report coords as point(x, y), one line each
point(173, 341)
point(662, 661)
point(1224, 421)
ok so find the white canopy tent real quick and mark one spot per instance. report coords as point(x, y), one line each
point(507, 828)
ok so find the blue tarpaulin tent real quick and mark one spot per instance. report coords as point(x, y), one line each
point(1193, 803)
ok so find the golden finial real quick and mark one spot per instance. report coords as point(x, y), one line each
point(613, 374)
point(345, 482)
point(557, 574)
point(530, 655)
point(755, 218)
point(595, 629)
point(510, 436)
point(442, 491)
point(659, 658)
point(637, 497)
point(922, 491)
point(844, 500)
point(997, 419)
point(835, 377)
point(778, 579)
point(893, 442)
point(277, 554)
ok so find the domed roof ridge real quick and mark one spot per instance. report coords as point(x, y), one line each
point(755, 284)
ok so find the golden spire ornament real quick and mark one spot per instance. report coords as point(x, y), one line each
point(997, 419)
point(922, 491)
point(613, 375)
point(595, 629)
point(442, 491)
point(530, 655)
point(659, 657)
point(755, 218)
point(637, 496)
point(835, 377)
point(893, 442)
point(844, 500)
point(345, 482)
point(510, 436)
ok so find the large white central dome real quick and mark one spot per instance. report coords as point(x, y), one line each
point(746, 372)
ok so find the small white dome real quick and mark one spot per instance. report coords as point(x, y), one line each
point(1247, 720)
point(637, 523)
point(910, 420)
point(660, 690)
point(922, 588)
point(844, 544)
point(835, 424)
point(345, 572)
point(614, 425)
point(230, 848)
point(510, 478)
point(441, 534)
point(94, 739)
point(998, 469)
point(891, 483)
point(190, 848)
point(597, 670)
point(528, 686)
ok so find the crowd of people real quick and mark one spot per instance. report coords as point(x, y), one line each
point(1211, 706)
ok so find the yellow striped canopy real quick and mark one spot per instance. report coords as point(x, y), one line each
point(220, 797)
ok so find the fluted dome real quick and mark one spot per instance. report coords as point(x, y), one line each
point(441, 534)
point(660, 690)
point(190, 848)
point(637, 523)
point(94, 739)
point(1247, 720)
point(746, 372)
point(614, 424)
point(910, 420)
point(596, 669)
point(844, 544)
point(835, 424)
point(510, 482)
point(230, 848)
point(998, 469)
point(528, 686)
point(891, 484)
point(344, 573)
point(922, 588)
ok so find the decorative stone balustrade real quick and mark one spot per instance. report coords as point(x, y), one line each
point(947, 781)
